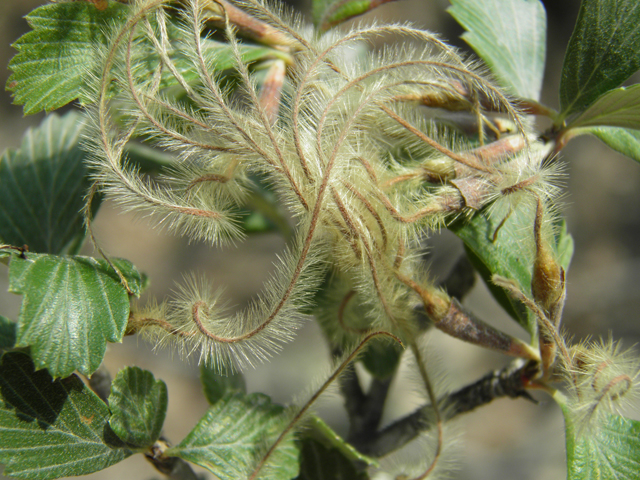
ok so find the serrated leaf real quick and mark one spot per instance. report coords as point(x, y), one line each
point(52, 429)
point(616, 108)
point(216, 386)
point(54, 58)
point(328, 13)
point(610, 450)
point(510, 256)
point(321, 463)
point(7, 333)
point(623, 140)
point(43, 185)
point(510, 36)
point(138, 404)
point(233, 434)
point(71, 307)
point(603, 52)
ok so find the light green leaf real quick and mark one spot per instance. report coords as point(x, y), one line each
point(233, 435)
point(52, 429)
point(54, 58)
point(616, 108)
point(138, 404)
point(42, 186)
point(322, 463)
point(623, 140)
point(328, 13)
point(609, 451)
point(7, 333)
point(510, 36)
point(510, 256)
point(216, 386)
point(50, 69)
point(319, 431)
point(603, 52)
point(71, 307)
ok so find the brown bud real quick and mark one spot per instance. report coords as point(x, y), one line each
point(547, 281)
point(218, 11)
point(271, 90)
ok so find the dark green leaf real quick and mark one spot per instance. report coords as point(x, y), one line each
point(510, 36)
point(603, 52)
point(510, 256)
point(71, 307)
point(149, 160)
point(608, 451)
point(265, 212)
point(54, 58)
point(42, 186)
point(381, 357)
point(138, 404)
point(216, 386)
point(616, 108)
point(7, 333)
point(321, 463)
point(233, 435)
point(623, 140)
point(52, 429)
point(328, 13)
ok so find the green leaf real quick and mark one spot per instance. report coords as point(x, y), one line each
point(54, 58)
point(216, 386)
point(138, 404)
point(148, 160)
point(510, 256)
point(319, 431)
point(52, 429)
point(7, 333)
point(603, 52)
point(42, 186)
point(233, 435)
point(616, 108)
point(265, 211)
point(609, 451)
point(510, 36)
point(623, 140)
point(71, 307)
point(322, 463)
point(381, 357)
point(328, 13)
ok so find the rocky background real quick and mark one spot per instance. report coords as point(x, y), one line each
point(507, 439)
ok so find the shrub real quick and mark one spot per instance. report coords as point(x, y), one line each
point(355, 144)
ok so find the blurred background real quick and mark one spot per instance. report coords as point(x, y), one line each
point(504, 440)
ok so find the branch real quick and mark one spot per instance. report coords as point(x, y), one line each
point(173, 467)
point(364, 410)
point(510, 381)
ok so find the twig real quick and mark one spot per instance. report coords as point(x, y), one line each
point(510, 381)
point(364, 409)
point(173, 467)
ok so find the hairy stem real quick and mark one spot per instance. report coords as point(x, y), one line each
point(341, 368)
